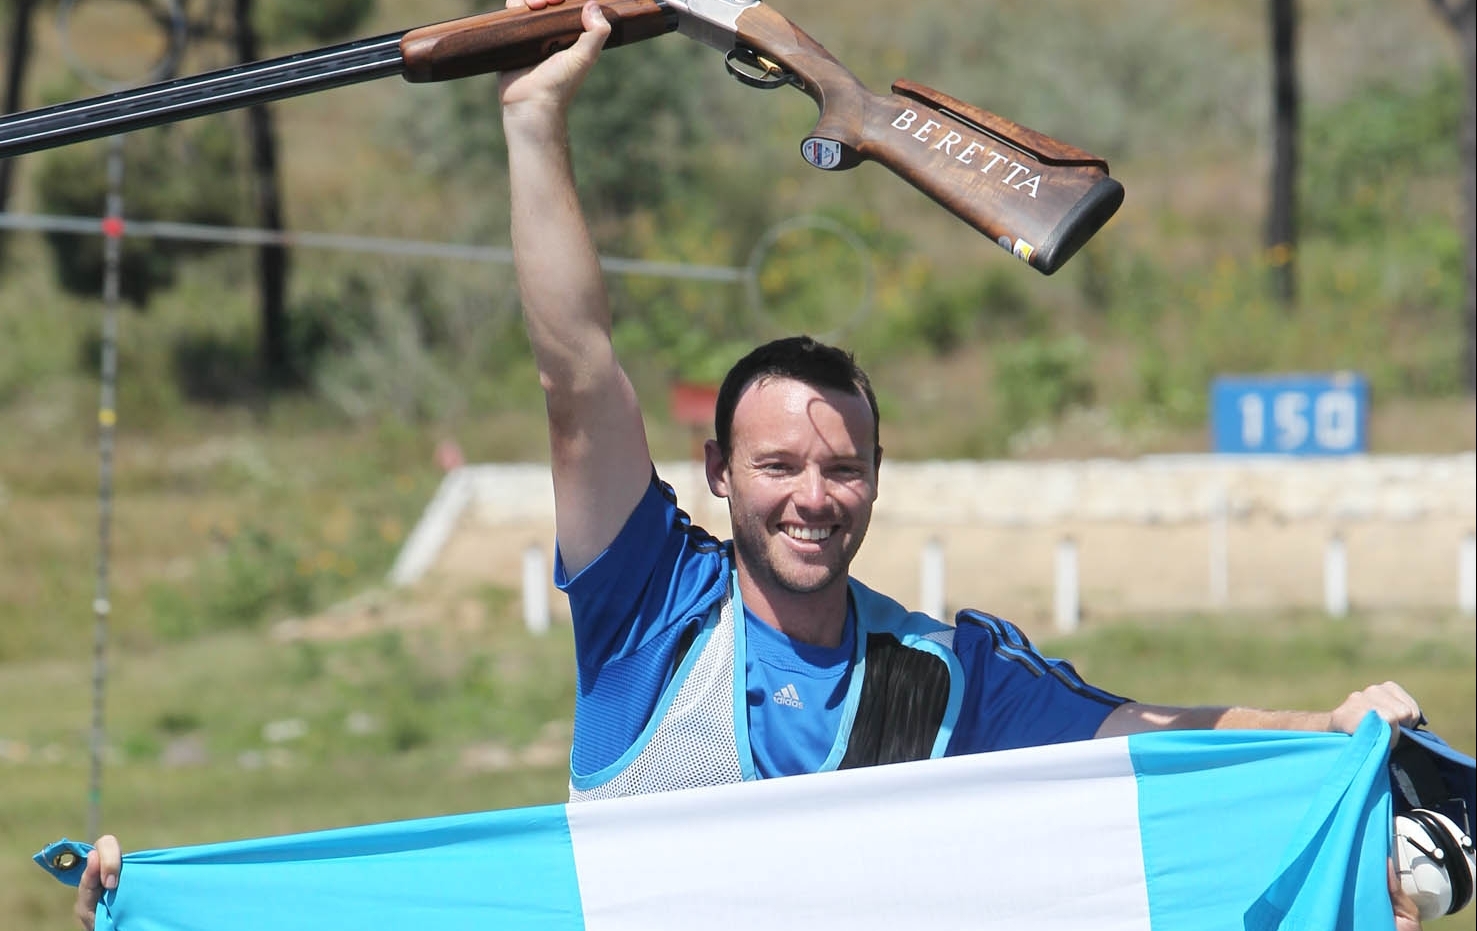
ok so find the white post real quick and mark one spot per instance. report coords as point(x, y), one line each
point(1467, 576)
point(535, 591)
point(931, 580)
point(1336, 577)
point(1067, 599)
point(1220, 588)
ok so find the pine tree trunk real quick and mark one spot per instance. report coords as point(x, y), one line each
point(1459, 16)
point(1281, 239)
point(1467, 36)
point(18, 53)
point(272, 260)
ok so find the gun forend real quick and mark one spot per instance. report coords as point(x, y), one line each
point(518, 38)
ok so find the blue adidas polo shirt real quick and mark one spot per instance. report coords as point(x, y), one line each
point(634, 604)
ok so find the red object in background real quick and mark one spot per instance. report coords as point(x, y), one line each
point(693, 405)
point(449, 455)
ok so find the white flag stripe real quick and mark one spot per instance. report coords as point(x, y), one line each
point(926, 845)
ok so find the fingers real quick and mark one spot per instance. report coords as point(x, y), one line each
point(549, 86)
point(592, 15)
point(1407, 914)
point(597, 29)
point(89, 890)
point(110, 860)
point(104, 863)
point(1393, 704)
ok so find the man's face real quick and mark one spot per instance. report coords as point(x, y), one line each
point(800, 482)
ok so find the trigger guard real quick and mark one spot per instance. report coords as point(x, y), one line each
point(767, 82)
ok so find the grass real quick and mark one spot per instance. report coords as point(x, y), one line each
point(228, 518)
point(443, 703)
point(248, 733)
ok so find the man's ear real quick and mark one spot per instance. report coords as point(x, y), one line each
point(716, 469)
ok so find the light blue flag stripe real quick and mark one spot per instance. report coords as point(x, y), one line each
point(1265, 830)
point(1187, 831)
point(509, 869)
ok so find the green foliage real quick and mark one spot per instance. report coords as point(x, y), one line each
point(296, 550)
point(257, 573)
point(1090, 73)
point(647, 104)
point(1041, 378)
point(1367, 158)
point(396, 341)
point(214, 368)
point(1390, 313)
point(73, 181)
point(954, 312)
point(322, 20)
point(638, 127)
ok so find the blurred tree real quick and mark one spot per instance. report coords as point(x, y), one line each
point(1459, 15)
point(71, 182)
point(641, 127)
point(266, 198)
point(283, 20)
point(650, 176)
point(70, 176)
point(17, 55)
point(1281, 241)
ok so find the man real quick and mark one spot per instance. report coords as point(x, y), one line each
point(701, 662)
point(797, 458)
point(667, 618)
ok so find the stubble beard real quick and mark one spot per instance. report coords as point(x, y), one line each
point(755, 549)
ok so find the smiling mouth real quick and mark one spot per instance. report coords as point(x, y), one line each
point(807, 534)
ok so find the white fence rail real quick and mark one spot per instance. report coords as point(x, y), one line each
point(1054, 543)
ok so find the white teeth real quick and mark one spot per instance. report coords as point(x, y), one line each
point(808, 533)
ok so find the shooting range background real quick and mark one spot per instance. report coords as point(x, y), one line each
point(264, 675)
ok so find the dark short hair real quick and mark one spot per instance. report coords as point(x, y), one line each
point(802, 359)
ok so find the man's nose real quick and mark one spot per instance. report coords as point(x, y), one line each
point(811, 491)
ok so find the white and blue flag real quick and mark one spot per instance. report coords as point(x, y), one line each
point(1177, 831)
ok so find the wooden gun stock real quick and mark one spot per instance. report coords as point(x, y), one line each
point(511, 39)
point(1038, 198)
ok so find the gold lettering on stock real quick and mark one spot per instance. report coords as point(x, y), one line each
point(946, 141)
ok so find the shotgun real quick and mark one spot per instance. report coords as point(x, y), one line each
point(1038, 198)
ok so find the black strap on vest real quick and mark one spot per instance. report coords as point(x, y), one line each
point(1415, 782)
point(904, 695)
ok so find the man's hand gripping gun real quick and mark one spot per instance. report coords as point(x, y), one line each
point(1038, 198)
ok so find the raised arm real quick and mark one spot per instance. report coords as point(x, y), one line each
point(601, 462)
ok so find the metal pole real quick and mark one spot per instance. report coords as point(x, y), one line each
point(1336, 577)
point(932, 584)
point(1068, 602)
point(535, 590)
point(107, 420)
point(1467, 575)
point(1220, 586)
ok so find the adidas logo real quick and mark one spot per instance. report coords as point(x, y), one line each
point(788, 696)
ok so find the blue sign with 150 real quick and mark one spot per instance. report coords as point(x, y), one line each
point(1290, 415)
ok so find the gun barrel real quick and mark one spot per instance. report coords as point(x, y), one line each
point(211, 92)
